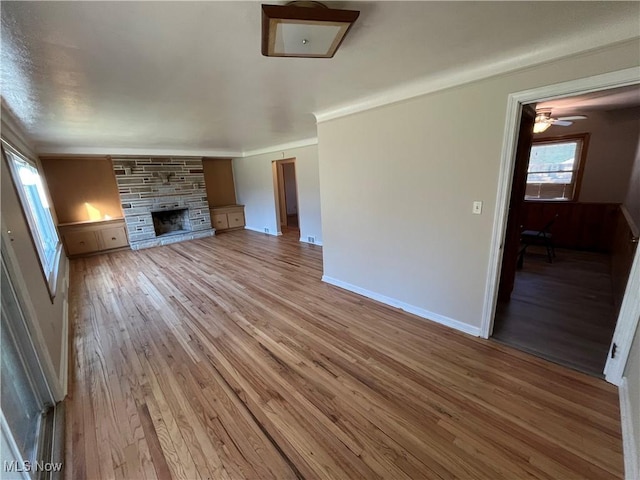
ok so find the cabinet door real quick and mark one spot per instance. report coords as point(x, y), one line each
point(220, 221)
point(114, 237)
point(81, 242)
point(236, 219)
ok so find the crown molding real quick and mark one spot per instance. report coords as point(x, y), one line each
point(281, 147)
point(454, 78)
point(138, 152)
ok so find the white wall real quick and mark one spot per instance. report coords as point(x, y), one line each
point(613, 142)
point(632, 375)
point(398, 182)
point(255, 189)
point(48, 325)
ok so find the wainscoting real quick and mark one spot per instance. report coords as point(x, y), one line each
point(579, 226)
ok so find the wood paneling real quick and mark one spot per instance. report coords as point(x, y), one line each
point(75, 182)
point(218, 178)
point(625, 242)
point(228, 358)
point(581, 226)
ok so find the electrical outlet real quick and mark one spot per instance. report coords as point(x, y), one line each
point(311, 239)
point(477, 208)
point(266, 230)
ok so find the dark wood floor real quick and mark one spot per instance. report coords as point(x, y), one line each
point(227, 357)
point(562, 311)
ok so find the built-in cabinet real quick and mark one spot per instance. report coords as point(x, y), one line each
point(229, 217)
point(84, 238)
point(221, 193)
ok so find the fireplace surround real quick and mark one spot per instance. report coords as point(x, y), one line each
point(151, 188)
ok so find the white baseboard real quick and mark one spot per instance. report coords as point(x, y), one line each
point(310, 243)
point(420, 312)
point(629, 444)
point(253, 229)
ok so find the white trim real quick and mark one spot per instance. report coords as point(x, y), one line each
point(310, 243)
point(44, 150)
point(505, 178)
point(629, 447)
point(454, 78)
point(420, 312)
point(253, 229)
point(626, 327)
point(630, 309)
point(283, 146)
point(14, 133)
point(64, 351)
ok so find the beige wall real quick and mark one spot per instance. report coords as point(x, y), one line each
point(632, 199)
point(632, 374)
point(613, 142)
point(48, 315)
point(255, 189)
point(398, 182)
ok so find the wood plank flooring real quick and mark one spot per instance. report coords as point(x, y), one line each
point(562, 311)
point(228, 358)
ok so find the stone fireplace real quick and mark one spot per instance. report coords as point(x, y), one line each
point(163, 199)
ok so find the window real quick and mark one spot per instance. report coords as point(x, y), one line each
point(35, 206)
point(555, 168)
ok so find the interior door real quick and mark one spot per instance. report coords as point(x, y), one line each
point(512, 236)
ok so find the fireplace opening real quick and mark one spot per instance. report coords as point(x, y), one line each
point(171, 222)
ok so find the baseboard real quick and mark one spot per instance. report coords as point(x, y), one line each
point(253, 229)
point(629, 445)
point(64, 351)
point(420, 312)
point(310, 243)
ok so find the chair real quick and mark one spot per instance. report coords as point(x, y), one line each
point(538, 237)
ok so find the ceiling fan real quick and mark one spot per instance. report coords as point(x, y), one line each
point(544, 120)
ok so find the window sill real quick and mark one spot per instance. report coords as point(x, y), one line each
point(52, 281)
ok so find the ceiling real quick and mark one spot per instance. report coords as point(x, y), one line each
point(84, 77)
point(603, 100)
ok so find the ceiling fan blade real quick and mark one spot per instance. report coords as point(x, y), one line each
point(574, 117)
point(562, 123)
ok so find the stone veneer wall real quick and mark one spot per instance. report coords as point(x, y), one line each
point(142, 190)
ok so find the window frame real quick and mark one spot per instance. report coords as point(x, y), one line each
point(583, 138)
point(50, 276)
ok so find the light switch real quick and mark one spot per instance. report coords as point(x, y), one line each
point(477, 208)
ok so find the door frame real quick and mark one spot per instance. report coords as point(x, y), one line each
point(279, 187)
point(630, 308)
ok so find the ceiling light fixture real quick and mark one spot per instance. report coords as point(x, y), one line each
point(542, 122)
point(304, 29)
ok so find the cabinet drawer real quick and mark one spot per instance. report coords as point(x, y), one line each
point(220, 221)
point(81, 242)
point(114, 237)
point(235, 219)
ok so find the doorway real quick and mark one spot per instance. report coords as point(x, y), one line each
point(287, 193)
point(593, 237)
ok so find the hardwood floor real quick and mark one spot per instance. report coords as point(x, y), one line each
point(562, 311)
point(228, 358)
